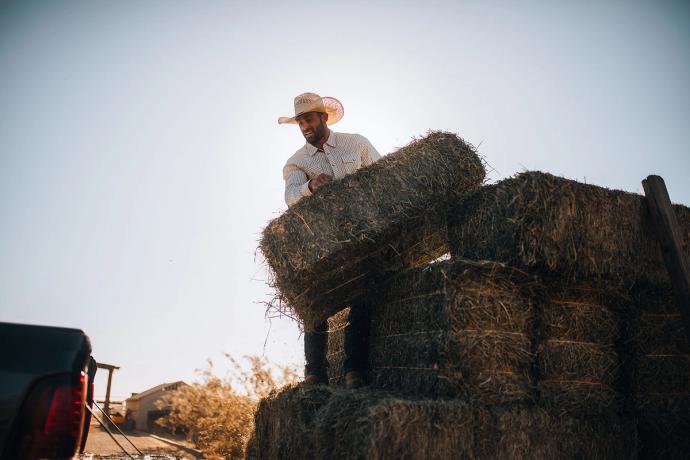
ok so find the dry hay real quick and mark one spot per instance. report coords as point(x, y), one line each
point(555, 225)
point(284, 421)
point(578, 365)
point(366, 424)
point(665, 435)
point(660, 367)
point(537, 433)
point(336, 352)
point(578, 377)
point(476, 338)
point(325, 250)
point(481, 331)
point(452, 329)
point(660, 350)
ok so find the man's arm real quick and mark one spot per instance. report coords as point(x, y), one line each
point(296, 184)
point(369, 153)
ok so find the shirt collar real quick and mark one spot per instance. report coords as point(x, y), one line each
point(331, 142)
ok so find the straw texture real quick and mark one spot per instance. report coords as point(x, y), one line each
point(325, 251)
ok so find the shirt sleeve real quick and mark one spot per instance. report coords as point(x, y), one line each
point(369, 153)
point(296, 184)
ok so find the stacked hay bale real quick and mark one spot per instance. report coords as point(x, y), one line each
point(488, 332)
point(452, 329)
point(341, 424)
point(557, 226)
point(659, 351)
point(326, 250)
point(518, 347)
point(284, 423)
point(593, 245)
point(577, 361)
point(532, 360)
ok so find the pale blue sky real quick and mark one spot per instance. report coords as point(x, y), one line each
point(140, 156)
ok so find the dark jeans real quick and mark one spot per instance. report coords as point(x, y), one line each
point(356, 344)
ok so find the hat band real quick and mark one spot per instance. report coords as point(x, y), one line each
point(316, 106)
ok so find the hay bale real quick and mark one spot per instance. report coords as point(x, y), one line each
point(536, 433)
point(578, 377)
point(376, 425)
point(661, 377)
point(660, 350)
point(661, 333)
point(665, 435)
point(660, 372)
point(486, 332)
point(335, 355)
point(284, 421)
point(453, 329)
point(577, 361)
point(324, 251)
point(574, 230)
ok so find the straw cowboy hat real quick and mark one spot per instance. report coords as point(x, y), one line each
point(310, 102)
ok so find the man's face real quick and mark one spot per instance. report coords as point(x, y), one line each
point(313, 126)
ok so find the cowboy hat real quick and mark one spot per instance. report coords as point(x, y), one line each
point(310, 102)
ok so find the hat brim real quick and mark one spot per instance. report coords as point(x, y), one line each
point(333, 107)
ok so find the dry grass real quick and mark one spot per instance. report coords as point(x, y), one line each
point(326, 250)
point(218, 413)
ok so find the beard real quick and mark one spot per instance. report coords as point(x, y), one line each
point(318, 133)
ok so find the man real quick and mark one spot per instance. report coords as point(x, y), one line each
point(328, 156)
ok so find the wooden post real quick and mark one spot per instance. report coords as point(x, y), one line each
point(110, 368)
point(106, 406)
point(667, 231)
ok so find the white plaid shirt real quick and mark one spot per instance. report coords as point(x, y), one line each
point(342, 154)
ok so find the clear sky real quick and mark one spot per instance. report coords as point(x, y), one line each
point(140, 155)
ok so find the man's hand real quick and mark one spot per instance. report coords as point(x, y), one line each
point(319, 181)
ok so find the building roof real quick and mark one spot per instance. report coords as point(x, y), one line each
point(163, 387)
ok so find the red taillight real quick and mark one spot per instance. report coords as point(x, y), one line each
point(66, 413)
point(50, 423)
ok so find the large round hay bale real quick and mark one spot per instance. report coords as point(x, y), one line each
point(575, 230)
point(325, 250)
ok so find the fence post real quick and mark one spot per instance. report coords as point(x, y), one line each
point(668, 233)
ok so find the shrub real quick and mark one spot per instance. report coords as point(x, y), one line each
point(217, 414)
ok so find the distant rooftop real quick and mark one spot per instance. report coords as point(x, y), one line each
point(162, 387)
